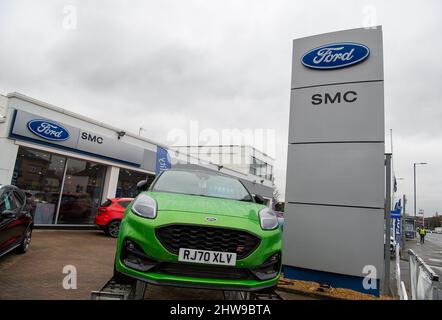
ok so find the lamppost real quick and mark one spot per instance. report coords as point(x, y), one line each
point(414, 168)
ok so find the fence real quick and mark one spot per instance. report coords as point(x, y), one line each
point(424, 283)
point(401, 291)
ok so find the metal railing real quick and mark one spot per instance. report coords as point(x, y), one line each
point(424, 282)
point(401, 291)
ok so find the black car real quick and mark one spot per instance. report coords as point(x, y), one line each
point(15, 220)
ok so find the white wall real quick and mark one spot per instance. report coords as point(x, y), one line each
point(64, 116)
point(8, 150)
point(3, 105)
point(110, 182)
point(8, 154)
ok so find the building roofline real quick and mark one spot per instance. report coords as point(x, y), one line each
point(225, 145)
point(52, 107)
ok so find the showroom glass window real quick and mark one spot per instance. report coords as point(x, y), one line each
point(64, 190)
point(82, 190)
point(40, 174)
point(127, 182)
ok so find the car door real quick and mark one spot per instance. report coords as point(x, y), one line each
point(23, 215)
point(3, 235)
point(8, 222)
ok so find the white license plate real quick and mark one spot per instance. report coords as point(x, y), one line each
point(207, 257)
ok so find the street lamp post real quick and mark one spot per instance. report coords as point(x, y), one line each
point(414, 170)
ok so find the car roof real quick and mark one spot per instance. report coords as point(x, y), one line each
point(122, 199)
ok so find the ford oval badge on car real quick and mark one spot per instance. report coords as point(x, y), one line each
point(335, 55)
point(48, 130)
point(211, 219)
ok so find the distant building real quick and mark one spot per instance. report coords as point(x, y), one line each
point(70, 163)
point(253, 164)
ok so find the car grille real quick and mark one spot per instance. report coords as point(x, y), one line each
point(174, 237)
point(203, 271)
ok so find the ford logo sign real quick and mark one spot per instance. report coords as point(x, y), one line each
point(48, 130)
point(335, 55)
point(211, 219)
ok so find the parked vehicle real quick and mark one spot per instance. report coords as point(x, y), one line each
point(392, 247)
point(438, 230)
point(16, 221)
point(110, 214)
point(280, 216)
point(199, 229)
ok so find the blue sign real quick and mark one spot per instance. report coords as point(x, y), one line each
point(397, 229)
point(335, 55)
point(163, 160)
point(395, 214)
point(48, 130)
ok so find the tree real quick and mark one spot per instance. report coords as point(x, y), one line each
point(433, 222)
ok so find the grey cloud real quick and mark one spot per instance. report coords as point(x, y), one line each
point(225, 63)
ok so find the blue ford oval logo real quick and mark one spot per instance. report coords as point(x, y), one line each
point(335, 55)
point(211, 219)
point(48, 130)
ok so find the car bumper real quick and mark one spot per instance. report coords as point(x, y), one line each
point(198, 283)
point(101, 221)
point(141, 231)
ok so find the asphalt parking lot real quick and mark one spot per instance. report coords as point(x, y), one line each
point(38, 274)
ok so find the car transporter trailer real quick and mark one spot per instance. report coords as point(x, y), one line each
point(113, 290)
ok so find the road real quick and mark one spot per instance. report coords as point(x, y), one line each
point(431, 252)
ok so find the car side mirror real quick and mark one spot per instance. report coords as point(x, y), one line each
point(142, 185)
point(8, 214)
point(259, 199)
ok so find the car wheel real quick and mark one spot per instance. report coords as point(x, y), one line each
point(113, 228)
point(26, 242)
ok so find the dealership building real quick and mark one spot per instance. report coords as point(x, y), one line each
point(71, 164)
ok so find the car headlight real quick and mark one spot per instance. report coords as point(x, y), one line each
point(144, 206)
point(268, 219)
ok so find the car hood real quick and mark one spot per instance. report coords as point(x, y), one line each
point(206, 205)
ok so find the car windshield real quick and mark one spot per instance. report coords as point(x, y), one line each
point(201, 184)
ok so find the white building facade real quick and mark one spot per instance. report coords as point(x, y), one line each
point(71, 163)
point(245, 160)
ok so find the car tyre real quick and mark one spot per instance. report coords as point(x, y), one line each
point(26, 242)
point(113, 228)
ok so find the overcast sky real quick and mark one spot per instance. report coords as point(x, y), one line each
point(225, 64)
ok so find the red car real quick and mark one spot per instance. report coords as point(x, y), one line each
point(110, 214)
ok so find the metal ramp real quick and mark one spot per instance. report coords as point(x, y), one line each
point(113, 290)
point(243, 295)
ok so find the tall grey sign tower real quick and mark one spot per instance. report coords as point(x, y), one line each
point(334, 222)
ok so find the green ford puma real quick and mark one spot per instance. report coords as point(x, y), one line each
point(199, 229)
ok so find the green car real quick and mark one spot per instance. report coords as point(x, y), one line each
point(199, 229)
